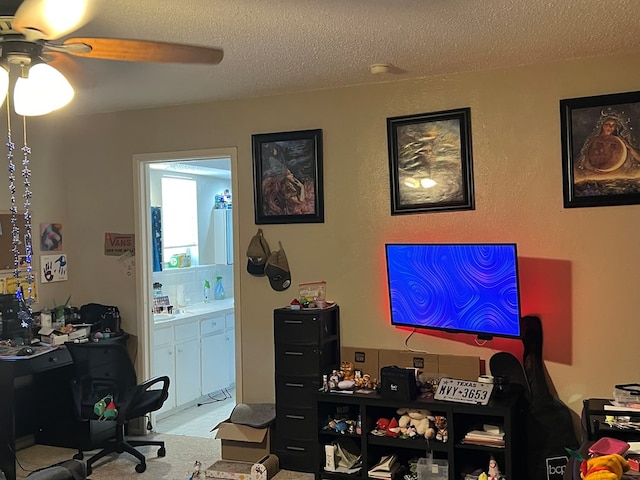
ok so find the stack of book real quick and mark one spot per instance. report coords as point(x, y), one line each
point(489, 436)
point(386, 468)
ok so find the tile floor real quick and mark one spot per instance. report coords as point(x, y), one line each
point(197, 421)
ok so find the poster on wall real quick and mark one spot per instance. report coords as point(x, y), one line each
point(53, 268)
point(116, 244)
point(9, 285)
point(51, 237)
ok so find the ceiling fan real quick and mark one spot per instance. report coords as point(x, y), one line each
point(27, 42)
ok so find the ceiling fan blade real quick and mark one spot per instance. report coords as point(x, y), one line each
point(145, 51)
point(51, 19)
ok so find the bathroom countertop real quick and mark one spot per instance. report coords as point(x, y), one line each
point(195, 310)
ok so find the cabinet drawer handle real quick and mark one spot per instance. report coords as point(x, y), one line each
point(299, 354)
point(293, 322)
point(295, 417)
point(296, 449)
point(298, 385)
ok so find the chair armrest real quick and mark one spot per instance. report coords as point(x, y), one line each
point(154, 380)
point(136, 392)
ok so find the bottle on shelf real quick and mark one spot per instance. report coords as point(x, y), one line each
point(218, 294)
point(207, 291)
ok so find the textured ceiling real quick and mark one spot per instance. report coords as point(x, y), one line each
point(284, 46)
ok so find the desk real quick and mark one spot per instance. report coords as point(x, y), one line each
point(595, 411)
point(35, 399)
point(15, 373)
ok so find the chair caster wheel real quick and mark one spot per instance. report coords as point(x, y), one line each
point(78, 456)
point(162, 452)
point(141, 467)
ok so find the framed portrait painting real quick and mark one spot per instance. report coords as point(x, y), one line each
point(600, 150)
point(430, 162)
point(287, 173)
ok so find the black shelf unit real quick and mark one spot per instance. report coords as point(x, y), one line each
point(507, 412)
point(307, 345)
point(595, 416)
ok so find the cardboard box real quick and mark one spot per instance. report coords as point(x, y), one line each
point(364, 359)
point(461, 367)
point(242, 443)
point(425, 362)
point(265, 469)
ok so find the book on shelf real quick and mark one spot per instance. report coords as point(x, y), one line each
point(393, 470)
point(481, 434)
point(482, 437)
point(484, 443)
point(385, 468)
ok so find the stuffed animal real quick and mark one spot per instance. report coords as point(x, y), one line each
point(418, 419)
point(442, 432)
point(604, 467)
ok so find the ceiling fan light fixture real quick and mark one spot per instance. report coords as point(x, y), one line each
point(44, 90)
point(4, 80)
point(51, 19)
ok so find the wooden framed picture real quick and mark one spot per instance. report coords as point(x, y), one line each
point(600, 150)
point(288, 177)
point(430, 162)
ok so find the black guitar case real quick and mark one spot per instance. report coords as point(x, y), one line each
point(549, 423)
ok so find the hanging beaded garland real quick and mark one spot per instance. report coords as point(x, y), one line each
point(25, 301)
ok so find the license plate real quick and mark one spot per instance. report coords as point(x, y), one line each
point(463, 391)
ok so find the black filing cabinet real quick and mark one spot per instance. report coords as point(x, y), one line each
point(307, 345)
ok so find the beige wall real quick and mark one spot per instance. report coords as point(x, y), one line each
point(518, 193)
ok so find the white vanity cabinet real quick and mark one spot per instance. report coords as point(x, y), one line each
point(164, 363)
point(213, 355)
point(187, 377)
point(197, 353)
point(230, 341)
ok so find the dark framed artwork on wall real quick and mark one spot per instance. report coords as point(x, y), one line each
point(600, 150)
point(430, 162)
point(287, 173)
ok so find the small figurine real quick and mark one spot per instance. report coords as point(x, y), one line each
point(494, 470)
point(347, 370)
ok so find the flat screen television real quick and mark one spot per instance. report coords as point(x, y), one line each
point(456, 288)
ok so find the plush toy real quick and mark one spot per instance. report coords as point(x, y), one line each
point(418, 419)
point(604, 467)
point(393, 429)
point(442, 432)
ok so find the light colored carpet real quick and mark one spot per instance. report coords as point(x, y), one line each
point(182, 453)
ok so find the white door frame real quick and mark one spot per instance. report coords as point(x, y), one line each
point(142, 215)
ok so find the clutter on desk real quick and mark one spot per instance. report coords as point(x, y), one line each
point(65, 333)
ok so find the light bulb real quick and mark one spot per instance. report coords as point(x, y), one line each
point(42, 92)
point(52, 19)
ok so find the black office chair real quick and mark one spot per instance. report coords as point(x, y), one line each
point(104, 371)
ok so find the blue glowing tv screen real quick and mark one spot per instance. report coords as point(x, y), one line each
point(457, 288)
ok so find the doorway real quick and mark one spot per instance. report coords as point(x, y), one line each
point(193, 338)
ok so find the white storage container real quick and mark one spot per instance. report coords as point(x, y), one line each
point(432, 469)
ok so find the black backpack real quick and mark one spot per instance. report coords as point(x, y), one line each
point(102, 318)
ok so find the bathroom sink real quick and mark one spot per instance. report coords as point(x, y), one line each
point(162, 317)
